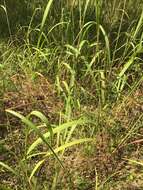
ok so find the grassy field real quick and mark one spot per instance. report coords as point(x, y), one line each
point(71, 95)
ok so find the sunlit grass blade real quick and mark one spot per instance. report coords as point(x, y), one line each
point(139, 25)
point(128, 64)
point(4, 7)
point(107, 47)
point(32, 126)
point(8, 168)
point(44, 120)
point(37, 166)
point(46, 12)
point(56, 130)
point(45, 15)
point(59, 149)
point(72, 143)
point(134, 162)
point(85, 8)
point(72, 50)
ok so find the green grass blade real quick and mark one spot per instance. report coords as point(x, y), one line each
point(38, 165)
point(46, 12)
point(126, 66)
point(8, 168)
point(72, 50)
point(32, 126)
point(85, 9)
point(135, 162)
point(107, 45)
point(61, 148)
point(139, 25)
point(56, 130)
point(67, 145)
point(44, 119)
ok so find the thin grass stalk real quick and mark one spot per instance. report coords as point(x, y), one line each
point(119, 31)
point(45, 15)
point(4, 7)
point(98, 7)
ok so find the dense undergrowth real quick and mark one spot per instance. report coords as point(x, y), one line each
point(71, 98)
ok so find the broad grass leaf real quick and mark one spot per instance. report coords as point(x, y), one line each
point(58, 129)
point(32, 126)
point(61, 148)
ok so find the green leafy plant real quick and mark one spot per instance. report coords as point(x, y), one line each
point(80, 61)
point(43, 138)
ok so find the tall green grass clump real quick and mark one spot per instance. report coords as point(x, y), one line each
point(78, 35)
point(91, 52)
